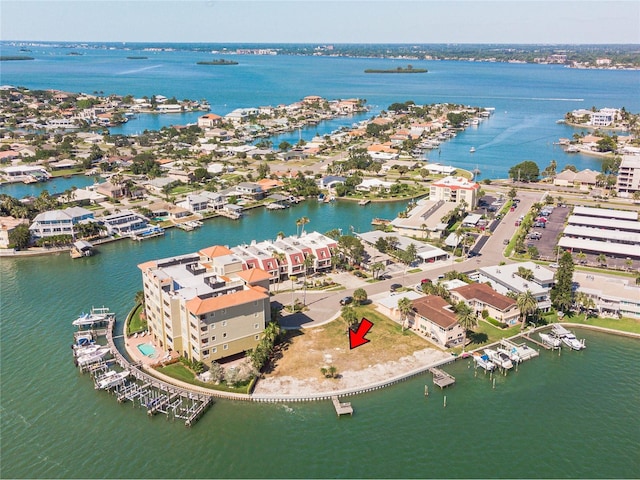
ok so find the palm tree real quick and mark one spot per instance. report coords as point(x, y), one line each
point(602, 259)
point(280, 258)
point(527, 304)
point(301, 222)
point(308, 263)
point(376, 268)
point(139, 297)
point(360, 296)
point(405, 307)
point(466, 318)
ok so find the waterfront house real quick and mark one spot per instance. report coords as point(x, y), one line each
point(506, 278)
point(249, 190)
point(481, 297)
point(206, 308)
point(125, 222)
point(59, 222)
point(613, 297)
point(584, 179)
point(110, 190)
point(434, 317)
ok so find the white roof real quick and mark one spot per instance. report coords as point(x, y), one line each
point(601, 234)
point(391, 300)
point(606, 223)
point(606, 213)
point(582, 244)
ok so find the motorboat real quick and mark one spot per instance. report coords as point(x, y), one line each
point(512, 354)
point(483, 361)
point(500, 359)
point(568, 338)
point(111, 379)
point(93, 357)
point(550, 340)
point(96, 315)
point(472, 149)
point(87, 349)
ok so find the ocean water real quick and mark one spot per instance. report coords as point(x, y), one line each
point(568, 416)
point(528, 98)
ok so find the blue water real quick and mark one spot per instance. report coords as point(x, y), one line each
point(147, 349)
point(528, 98)
point(573, 416)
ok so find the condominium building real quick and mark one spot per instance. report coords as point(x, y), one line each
point(481, 297)
point(628, 181)
point(455, 189)
point(205, 305)
point(507, 278)
point(434, 317)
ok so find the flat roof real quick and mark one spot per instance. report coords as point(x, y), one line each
point(600, 233)
point(607, 287)
point(606, 213)
point(582, 244)
point(609, 223)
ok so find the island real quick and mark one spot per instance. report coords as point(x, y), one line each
point(6, 58)
point(408, 69)
point(221, 61)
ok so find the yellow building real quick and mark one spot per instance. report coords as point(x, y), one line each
point(205, 305)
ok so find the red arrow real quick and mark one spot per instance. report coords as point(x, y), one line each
point(357, 338)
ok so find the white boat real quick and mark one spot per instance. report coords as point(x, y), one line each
point(86, 349)
point(472, 149)
point(511, 353)
point(111, 379)
point(96, 315)
point(483, 362)
point(93, 357)
point(568, 338)
point(550, 340)
point(500, 359)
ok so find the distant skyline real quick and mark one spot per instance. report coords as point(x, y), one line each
point(323, 21)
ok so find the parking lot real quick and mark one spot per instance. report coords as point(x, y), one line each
point(550, 234)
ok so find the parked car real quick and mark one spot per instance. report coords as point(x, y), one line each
point(346, 300)
point(394, 287)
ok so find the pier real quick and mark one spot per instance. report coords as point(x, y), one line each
point(441, 378)
point(342, 408)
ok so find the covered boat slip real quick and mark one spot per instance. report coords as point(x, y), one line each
point(81, 248)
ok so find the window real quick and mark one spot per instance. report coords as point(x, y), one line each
point(224, 335)
point(225, 347)
point(205, 353)
point(255, 325)
point(213, 338)
point(215, 349)
point(257, 337)
point(224, 323)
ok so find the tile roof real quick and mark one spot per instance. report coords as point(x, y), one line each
point(434, 308)
point(199, 306)
point(485, 294)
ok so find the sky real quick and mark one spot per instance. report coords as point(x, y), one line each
point(322, 21)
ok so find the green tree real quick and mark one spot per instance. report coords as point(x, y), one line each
point(20, 236)
point(308, 263)
point(405, 307)
point(527, 304)
point(526, 171)
point(376, 268)
point(284, 146)
point(360, 296)
point(466, 318)
point(562, 291)
point(349, 315)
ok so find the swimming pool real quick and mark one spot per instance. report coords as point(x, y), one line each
point(147, 349)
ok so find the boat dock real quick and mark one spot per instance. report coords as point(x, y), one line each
point(142, 389)
point(523, 351)
point(342, 408)
point(441, 378)
point(364, 201)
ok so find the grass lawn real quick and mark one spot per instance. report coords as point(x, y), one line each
point(182, 373)
point(305, 353)
point(65, 172)
point(136, 324)
point(623, 324)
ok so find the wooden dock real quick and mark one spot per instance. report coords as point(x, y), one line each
point(441, 378)
point(342, 408)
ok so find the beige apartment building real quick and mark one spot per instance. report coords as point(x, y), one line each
point(456, 190)
point(205, 305)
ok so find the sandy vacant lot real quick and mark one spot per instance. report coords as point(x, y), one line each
point(389, 353)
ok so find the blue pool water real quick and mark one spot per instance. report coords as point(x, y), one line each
point(147, 349)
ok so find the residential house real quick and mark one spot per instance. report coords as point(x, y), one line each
point(507, 278)
point(434, 317)
point(59, 222)
point(481, 297)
